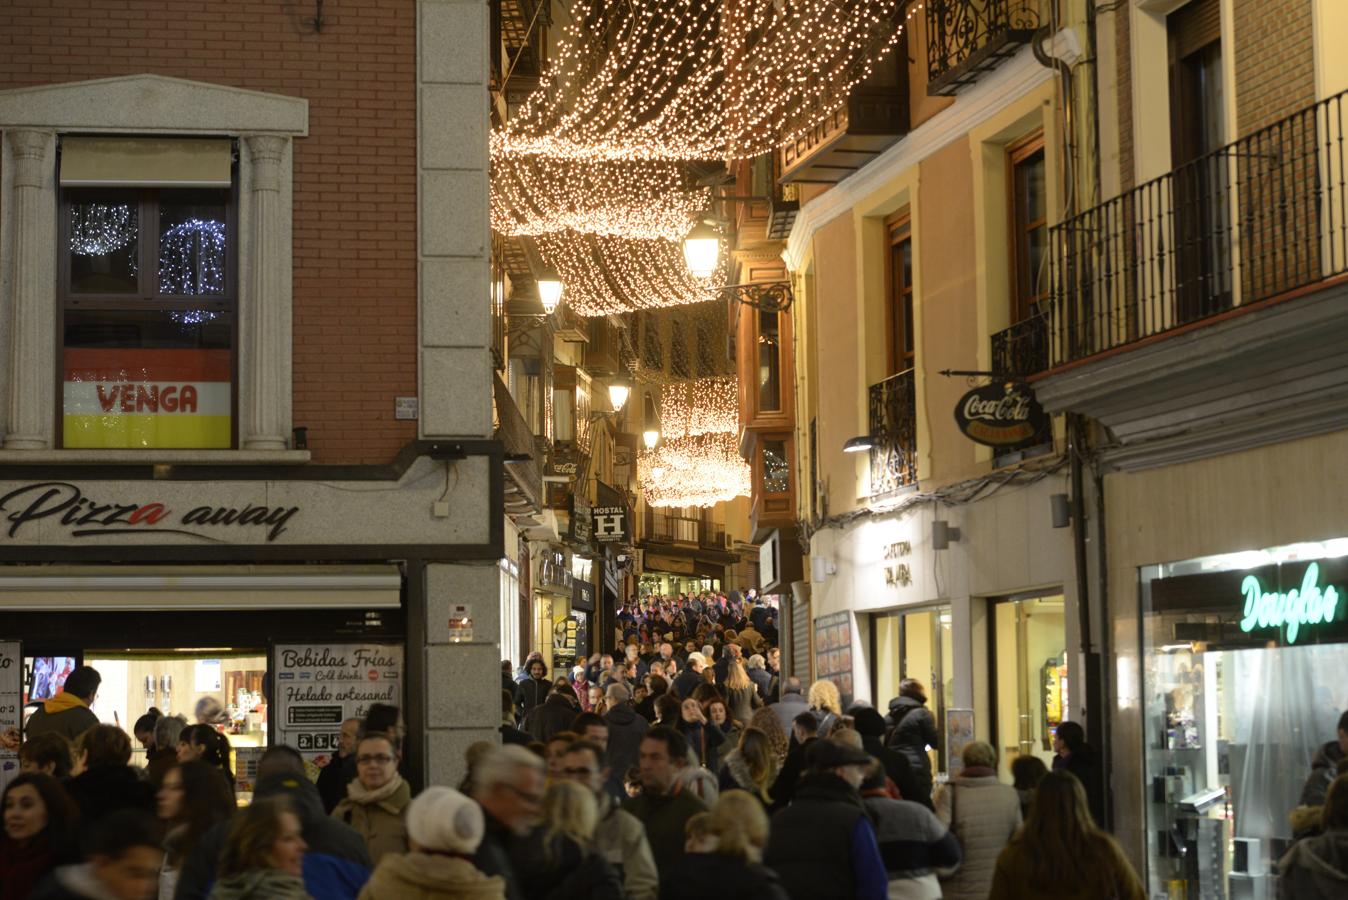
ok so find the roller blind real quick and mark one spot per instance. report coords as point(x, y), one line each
point(146, 162)
point(147, 588)
point(1195, 25)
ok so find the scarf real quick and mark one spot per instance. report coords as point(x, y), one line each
point(260, 884)
point(62, 702)
point(358, 794)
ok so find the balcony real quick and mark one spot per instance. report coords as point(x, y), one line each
point(1202, 313)
point(1257, 218)
point(893, 428)
point(688, 531)
point(966, 38)
point(874, 117)
point(1022, 349)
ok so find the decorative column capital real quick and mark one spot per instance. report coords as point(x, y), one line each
point(266, 152)
point(30, 151)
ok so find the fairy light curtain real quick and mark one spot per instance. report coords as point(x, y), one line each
point(697, 462)
point(699, 80)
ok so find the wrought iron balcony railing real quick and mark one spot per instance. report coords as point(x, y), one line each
point(1021, 349)
point(893, 428)
point(1257, 218)
point(966, 38)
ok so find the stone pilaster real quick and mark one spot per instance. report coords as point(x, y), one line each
point(263, 314)
point(32, 313)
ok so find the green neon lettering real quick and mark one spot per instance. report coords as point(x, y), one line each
point(1310, 605)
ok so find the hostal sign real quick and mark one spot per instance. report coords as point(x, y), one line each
point(1001, 415)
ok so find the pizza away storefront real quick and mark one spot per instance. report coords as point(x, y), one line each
point(293, 596)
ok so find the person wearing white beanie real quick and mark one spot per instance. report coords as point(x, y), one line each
point(444, 829)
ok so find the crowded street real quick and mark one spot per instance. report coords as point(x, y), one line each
point(671, 449)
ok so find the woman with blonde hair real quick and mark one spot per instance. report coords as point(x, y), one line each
point(741, 696)
point(825, 703)
point(1061, 853)
point(751, 767)
point(568, 867)
point(724, 855)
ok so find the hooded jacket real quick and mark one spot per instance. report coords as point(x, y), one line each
point(913, 730)
point(65, 714)
point(377, 816)
point(1324, 766)
point(1316, 868)
point(260, 884)
point(426, 876)
point(336, 865)
point(735, 774)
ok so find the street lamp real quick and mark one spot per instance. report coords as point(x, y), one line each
point(549, 290)
point(650, 437)
point(618, 391)
point(702, 250)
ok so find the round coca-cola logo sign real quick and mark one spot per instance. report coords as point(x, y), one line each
point(1001, 415)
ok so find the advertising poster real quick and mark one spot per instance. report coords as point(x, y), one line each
point(833, 652)
point(11, 704)
point(959, 731)
point(319, 686)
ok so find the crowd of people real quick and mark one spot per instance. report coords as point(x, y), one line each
point(667, 769)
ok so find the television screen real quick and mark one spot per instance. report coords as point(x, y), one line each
point(47, 675)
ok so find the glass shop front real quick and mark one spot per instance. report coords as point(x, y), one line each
point(1243, 684)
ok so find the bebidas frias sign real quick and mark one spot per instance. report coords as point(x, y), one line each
point(87, 516)
point(1001, 415)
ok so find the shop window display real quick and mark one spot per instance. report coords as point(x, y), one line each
point(1243, 684)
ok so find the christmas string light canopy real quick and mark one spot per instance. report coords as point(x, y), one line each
point(608, 275)
point(691, 80)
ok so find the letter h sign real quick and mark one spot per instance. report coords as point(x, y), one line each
point(608, 523)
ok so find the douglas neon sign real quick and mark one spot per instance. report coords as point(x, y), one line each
point(1305, 607)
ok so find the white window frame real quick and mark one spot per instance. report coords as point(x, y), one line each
point(265, 125)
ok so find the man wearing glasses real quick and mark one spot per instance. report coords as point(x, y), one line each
point(620, 837)
point(508, 784)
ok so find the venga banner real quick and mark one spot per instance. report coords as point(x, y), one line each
point(147, 398)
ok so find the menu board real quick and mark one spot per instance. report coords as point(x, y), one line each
point(11, 705)
point(319, 686)
point(833, 652)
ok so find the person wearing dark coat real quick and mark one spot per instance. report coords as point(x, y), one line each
point(336, 862)
point(913, 730)
point(534, 690)
point(760, 676)
point(626, 728)
point(719, 875)
point(871, 726)
point(554, 714)
point(107, 783)
point(803, 734)
point(1324, 766)
point(332, 780)
point(124, 857)
point(823, 844)
point(687, 681)
point(1082, 760)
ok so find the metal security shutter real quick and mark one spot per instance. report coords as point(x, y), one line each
point(801, 662)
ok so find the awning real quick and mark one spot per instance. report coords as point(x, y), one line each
point(195, 588)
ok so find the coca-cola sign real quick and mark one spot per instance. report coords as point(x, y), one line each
point(1002, 414)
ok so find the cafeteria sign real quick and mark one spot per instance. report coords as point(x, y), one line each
point(1002, 415)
